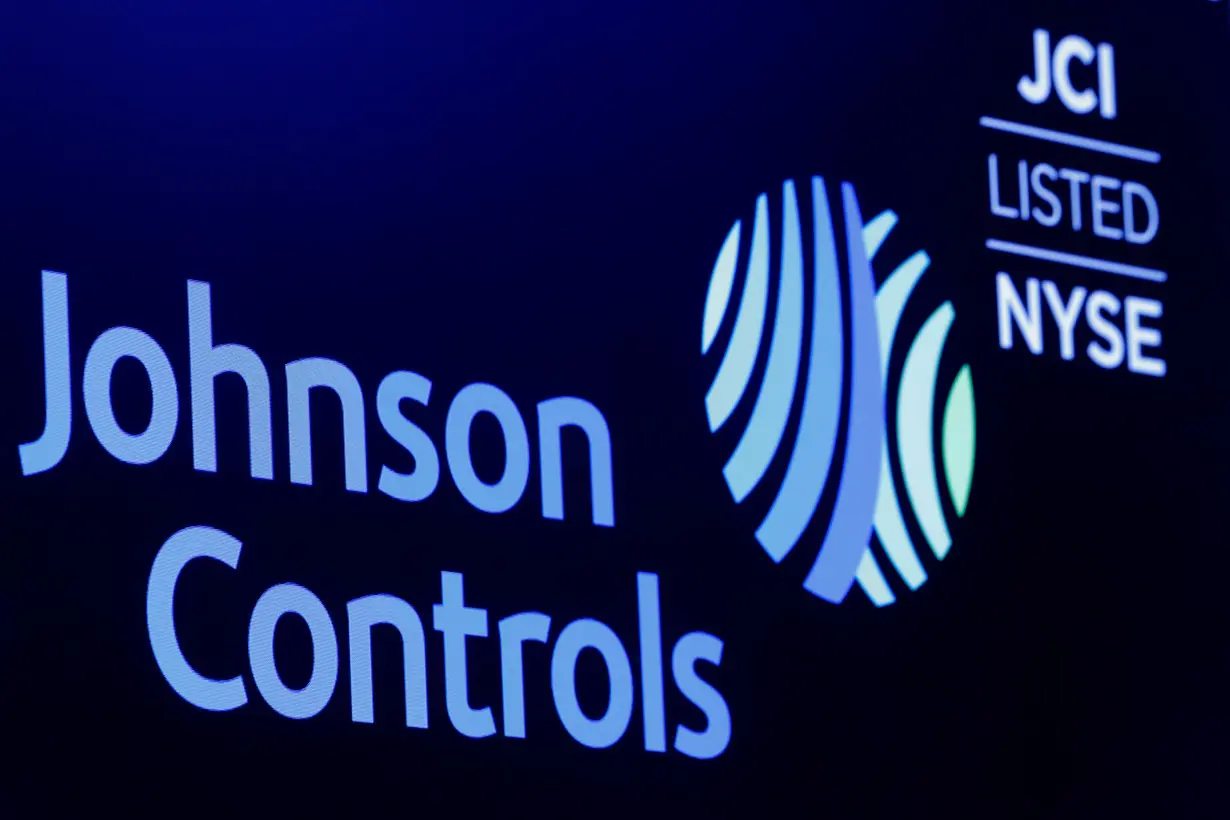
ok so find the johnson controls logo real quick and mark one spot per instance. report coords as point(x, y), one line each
point(867, 501)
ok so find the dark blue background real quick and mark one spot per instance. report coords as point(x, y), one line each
point(533, 194)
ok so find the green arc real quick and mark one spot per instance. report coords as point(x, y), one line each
point(959, 435)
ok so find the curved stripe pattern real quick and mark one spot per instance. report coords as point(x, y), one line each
point(889, 522)
point(892, 298)
point(872, 580)
point(877, 231)
point(958, 438)
point(736, 368)
point(817, 435)
point(915, 412)
point(850, 527)
point(764, 431)
point(866, 500)
point(720, 284)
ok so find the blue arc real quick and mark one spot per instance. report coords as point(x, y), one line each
point(816, 440)
point(736, 368)
point(850, 527)
point(720, 285)
point(764, 431)
point(889, 522)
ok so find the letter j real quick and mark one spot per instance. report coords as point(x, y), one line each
point(40, 456)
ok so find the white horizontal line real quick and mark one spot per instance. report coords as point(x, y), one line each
point(1102, 147)
point(1117, 268)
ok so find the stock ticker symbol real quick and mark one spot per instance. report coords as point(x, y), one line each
point(867, 501)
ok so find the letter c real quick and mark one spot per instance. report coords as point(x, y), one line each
point(1070, 48)
point(173, 556)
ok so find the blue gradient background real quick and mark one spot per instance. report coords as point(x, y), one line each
point(533, 194)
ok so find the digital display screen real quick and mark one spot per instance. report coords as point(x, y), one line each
point(551, 410)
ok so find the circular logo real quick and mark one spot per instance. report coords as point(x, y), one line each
point(812, 373)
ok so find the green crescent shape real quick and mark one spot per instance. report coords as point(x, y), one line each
point(959, 438)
